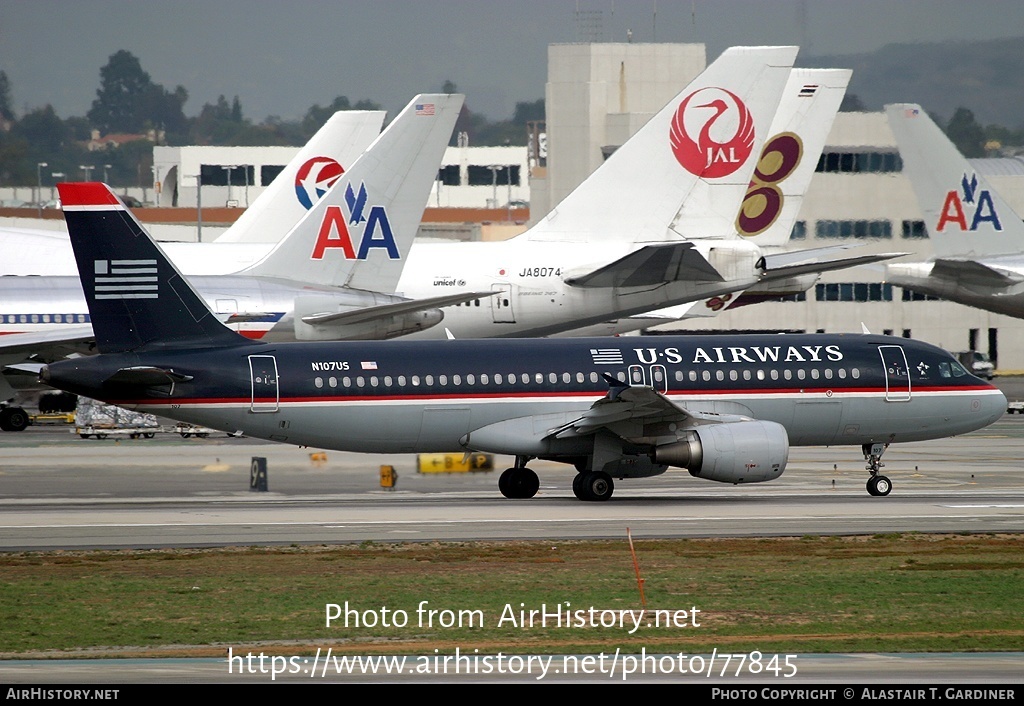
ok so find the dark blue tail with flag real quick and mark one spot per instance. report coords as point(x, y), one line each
point(137, 299)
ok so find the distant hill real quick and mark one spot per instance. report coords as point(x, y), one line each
point(986, 76)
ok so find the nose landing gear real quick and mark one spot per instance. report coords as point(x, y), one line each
point(878, 485)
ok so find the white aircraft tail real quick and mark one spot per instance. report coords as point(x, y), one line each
point(332, 150)
point(359, 234)
point(699, 151)
point(790, 155)
point(964, 216)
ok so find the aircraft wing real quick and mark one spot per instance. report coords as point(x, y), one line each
point(387, 310)
point(975, 273)
point(650, 265)
point(630, 410)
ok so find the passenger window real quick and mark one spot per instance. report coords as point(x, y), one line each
point(746, 374)
point(401, 381)
point(360, 382)
point(539, 377)
point(429, 380)
point(580, 379)
point(319, 382)
point(442, 380)
point(842, 373)
point(415, 381)
point(387, 381)
point(855, 373)
point(552, 378)
point(594, 377)
point(733, 375)
point(815, 373)
point(828, 373)
point(347, 381)
point(456, 380)
point(525, 378)
point(788, 374)
point(497, 378)
point(566, 378)
point(774, 374)
point(706, 375)
point(483, 378)
point(719, 375)
point(332, 381)
point(801, 374)
point(471, 379)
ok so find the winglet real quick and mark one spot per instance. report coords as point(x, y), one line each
point(137, 299)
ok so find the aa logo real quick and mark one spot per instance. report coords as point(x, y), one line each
point(372, 230)
point(763, 202)
point(979, 205)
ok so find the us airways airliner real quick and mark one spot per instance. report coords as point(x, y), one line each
point(726, 408)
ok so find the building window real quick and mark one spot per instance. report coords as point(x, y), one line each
point(268, 172)
point(449, 175)
point(859, 162)
point(853, 292)
point(853, 229)
point(912, 296)
point(914, 229)
point(501, 175)
point(217, 175)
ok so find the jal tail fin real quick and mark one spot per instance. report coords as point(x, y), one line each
point(137, 299)
point(790, 155)
point(699, 151)
point(359, 234)
point(334, 148)
point(963, 214)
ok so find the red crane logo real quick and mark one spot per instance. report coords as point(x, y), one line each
point(724, 129)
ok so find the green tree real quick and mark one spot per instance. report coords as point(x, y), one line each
point(128, 100)
point(123, 86)
point(966, 133)
point(6, 111)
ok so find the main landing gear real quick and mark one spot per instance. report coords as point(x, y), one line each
point(519, 482)
point(593, 485)
point(878, 485)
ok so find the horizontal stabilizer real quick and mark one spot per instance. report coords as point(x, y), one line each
point(371, 313)
point(57, 343)
point(817, 266)
point(146, 376)
point(973, 273)
point(651, 265)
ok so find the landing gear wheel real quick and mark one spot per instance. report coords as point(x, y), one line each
point(13, 419)
point(518, 483)
point(596, 486)
point(578, 483)
point(879, 486)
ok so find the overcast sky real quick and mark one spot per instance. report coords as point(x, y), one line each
point(280, 57)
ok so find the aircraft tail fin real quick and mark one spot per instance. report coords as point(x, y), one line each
point(333, 149)
point(137, 299)
point(964, 216)
point(790, 155)
point(359, 234)
point(699, 151)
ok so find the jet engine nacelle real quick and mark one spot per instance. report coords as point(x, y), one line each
point(734, 452)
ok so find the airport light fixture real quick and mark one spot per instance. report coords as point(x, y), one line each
point(39, 187)
point(87, 170)
point(106, 180)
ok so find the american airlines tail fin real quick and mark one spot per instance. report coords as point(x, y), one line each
point(137, 299)
point(332, 150)
point(964, 216)
point(790, 155)
point(698, 151)
point(359, 234)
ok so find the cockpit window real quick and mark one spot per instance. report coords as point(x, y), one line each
point(958, 370)
point(944, 370)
